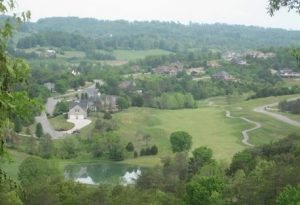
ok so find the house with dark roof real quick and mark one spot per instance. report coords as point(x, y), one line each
point(222, 76)
point(78, 110)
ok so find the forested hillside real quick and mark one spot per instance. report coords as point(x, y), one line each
point(164, 35)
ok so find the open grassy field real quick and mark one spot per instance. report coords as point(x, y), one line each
point(127, 55)
point(208, 126)
point(271, 129)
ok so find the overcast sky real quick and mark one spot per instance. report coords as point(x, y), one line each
point(246, 12)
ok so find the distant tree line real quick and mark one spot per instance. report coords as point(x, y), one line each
point(290, 106)
point(170, 36)
point(276, 91)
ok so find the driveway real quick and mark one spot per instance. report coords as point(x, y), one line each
point(78, 124)
point(50, 105)
point(47, 127)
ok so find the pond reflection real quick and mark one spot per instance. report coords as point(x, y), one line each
point(103, 173)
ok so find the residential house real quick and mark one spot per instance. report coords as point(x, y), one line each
point(50, 86)
point(78, 110)
point(259, 54)
point(222, 76)
point(213, 64)
point(171, 69)
point(288, 73)
point(107, 103)
point(92, 92)
point(195, 71)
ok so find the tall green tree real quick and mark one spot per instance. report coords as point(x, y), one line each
point(289, 196)
point(13, 72)
point(181, 141)
point(39, 130)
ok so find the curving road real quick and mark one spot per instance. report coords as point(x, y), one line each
point(47, 127)
point(277, 116)
point(245, 134)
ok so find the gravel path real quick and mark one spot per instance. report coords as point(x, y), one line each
point(245, 132)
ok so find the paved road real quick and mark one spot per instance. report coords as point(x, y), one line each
point(50, 105)
point(277, 116)
point(245, 132)
point(47, 127)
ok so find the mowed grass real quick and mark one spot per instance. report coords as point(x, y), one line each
point(60, 123)
point(127, 55)
point(208, 126)
point(272, 129)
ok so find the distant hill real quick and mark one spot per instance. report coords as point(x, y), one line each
point(169, 35)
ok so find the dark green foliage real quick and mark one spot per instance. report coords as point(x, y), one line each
point(116, 153)
point(290, 106)
point(180, 141)
point(137, 101)
point(39, 130)
point(135, 154)
point(244, 160)
point(46, 147)
point(143, 152)
point(201, 156)
point(122, 103)
point(203, 153)
point(60, 108)
point(36, 170)
point(289, 196)
point(69, 148)
point(79, 34)
point(130, 147)
point(107, 116)
point(105, 125)
point(270, 91)
point(18, 125)
point(204, 190)
point(154, 150)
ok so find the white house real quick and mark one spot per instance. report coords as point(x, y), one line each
point(78, 111)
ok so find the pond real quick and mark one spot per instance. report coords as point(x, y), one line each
point(103, 173)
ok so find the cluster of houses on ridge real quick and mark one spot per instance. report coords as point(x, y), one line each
point(288, 73)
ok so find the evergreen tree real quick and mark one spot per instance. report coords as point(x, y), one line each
point(39, 130)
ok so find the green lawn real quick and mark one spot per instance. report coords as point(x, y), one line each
point(127, 55)
point(60, 123)
point(208, 126)
point(271, 129)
